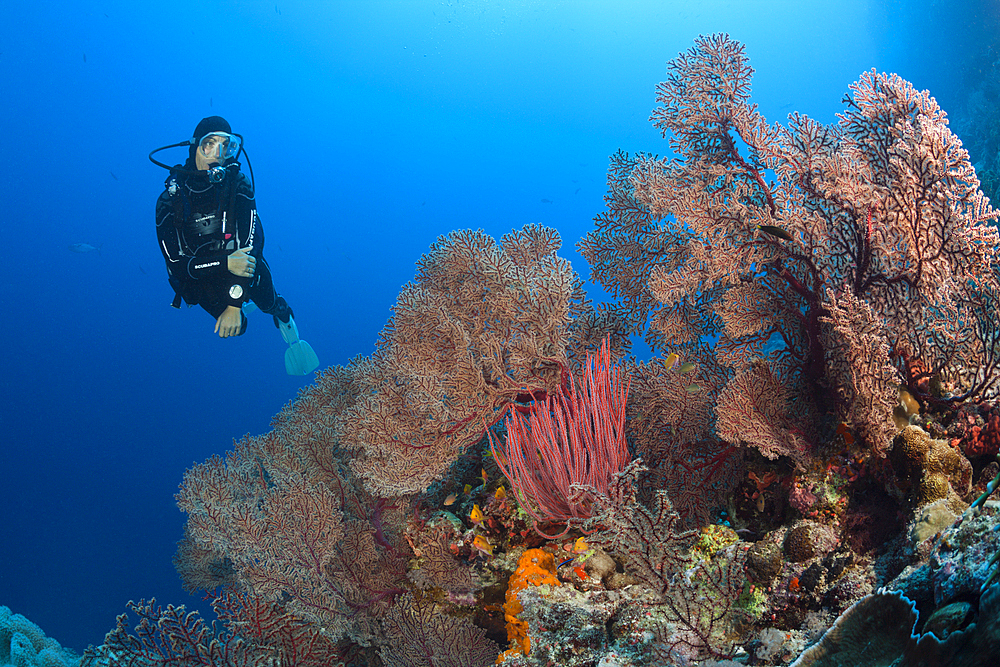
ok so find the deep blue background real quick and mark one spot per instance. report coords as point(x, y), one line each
point(373, 128)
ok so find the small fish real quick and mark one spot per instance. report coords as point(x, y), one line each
point(476, 516)
point(687, 368)
point(580, 572)
point(84, 57)
point(113, 175)
point(83, 247)
point(501, 493)
point(777, 232)
point(546, 201)
point(452, 497)
point(482, 544)
point(467, 490)
point(692, 389)
point(671, 360)
point(142, 270)
point(482, 473)
point(581, 545)
point(576, 191)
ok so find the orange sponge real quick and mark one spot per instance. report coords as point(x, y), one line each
point(534, 568)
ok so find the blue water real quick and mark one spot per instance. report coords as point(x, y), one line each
point(373, 128)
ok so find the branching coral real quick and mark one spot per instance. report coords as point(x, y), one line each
point(696, 598)
point(777, 241)
point(483, 323)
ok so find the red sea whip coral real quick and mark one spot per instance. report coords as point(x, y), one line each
point(573, 437)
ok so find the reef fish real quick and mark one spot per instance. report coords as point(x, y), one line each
point(476, 515)
point(777, 232)
point(483, 545)
point(82, 247)
point(670, 361)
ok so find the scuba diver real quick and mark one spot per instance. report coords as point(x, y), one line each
point(213, 242)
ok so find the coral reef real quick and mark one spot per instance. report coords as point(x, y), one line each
point(871, 239)
point(797, 450)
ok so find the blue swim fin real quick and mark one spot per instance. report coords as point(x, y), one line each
point(300, 359)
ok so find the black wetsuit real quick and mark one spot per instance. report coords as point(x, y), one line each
point(198, 225)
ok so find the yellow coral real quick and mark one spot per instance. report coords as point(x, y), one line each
point(914, 442)
point(933, 469)
point(534, 568)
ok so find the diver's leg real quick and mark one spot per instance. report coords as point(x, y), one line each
point(262, 293)
point(300, 359)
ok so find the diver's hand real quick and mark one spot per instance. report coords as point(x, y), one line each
point(229, 322)
point(242, 263)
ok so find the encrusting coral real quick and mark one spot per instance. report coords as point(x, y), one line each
point(534, 568)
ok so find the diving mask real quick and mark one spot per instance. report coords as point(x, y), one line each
point(219, 146)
